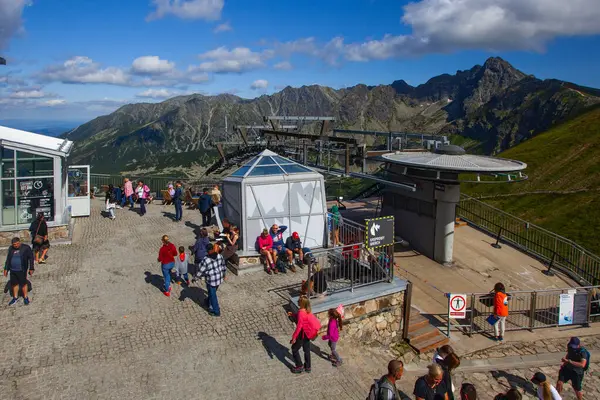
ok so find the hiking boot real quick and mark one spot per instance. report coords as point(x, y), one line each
point(26, 301)
point(292, 268)
point(14, 301)
point(298, 370)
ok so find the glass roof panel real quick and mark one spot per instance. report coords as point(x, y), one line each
point(294, 168)
point(282, 160)
point(241, 171)
point(266, 160)
point(266, 170)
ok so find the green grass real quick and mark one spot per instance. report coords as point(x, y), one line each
point(565, 158)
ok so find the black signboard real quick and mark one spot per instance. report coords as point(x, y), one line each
point(35, 195)
point(380, 232)
point(580, 308)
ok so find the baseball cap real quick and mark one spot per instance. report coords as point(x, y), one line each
point(538, 377)
point(574, 342)
point(295, 235)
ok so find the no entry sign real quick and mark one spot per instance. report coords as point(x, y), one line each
point(458, 306)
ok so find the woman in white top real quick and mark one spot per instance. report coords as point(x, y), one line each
point(545, 389)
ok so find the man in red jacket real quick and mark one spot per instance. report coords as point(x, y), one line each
point(166, 258)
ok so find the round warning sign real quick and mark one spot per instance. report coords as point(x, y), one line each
point(457, 306)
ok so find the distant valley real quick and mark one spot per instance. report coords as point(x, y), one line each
point(48, 128)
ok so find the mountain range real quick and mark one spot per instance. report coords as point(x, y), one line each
point(494, 106)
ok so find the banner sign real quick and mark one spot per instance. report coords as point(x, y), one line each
point(565, 309)
point(380, 232)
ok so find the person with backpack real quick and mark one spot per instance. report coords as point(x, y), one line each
point(432, 384)
point(574, 366)
point(307, 329)
point(385, 388)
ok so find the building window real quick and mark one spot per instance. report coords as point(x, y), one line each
point(30, 190)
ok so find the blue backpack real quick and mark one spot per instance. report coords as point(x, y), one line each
point(587, 356)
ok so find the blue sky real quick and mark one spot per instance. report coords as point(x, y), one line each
point(75, 59)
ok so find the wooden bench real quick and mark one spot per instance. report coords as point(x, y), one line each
point(190, 200)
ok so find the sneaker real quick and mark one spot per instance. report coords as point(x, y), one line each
point(500, 339)
point(168, 294)
point(26, 301)
point(307, 370)
point(13, 301)
point(275, 270)
point(214, 314)
point(332, 358)
point(292, 268)
point(297, 370)
point(187, 282)
point(43, 261)
point(337, 364)
point(269, 271)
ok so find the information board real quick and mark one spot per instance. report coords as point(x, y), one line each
point(580, 308)
point(380, 232)
point(565, 309)
point(35, 196)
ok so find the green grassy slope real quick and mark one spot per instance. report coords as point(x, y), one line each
point(566, 162)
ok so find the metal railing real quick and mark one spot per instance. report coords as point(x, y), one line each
point(559, 252)
point(155, 183)
point(343, 230)
point(528, 310)
point(346, 268)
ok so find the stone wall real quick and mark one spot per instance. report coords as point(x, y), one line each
point(375, 320)
point(54, 233)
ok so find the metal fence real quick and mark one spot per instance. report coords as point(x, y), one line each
point(155, 183)
point(346, 268)
point(343, 230)
point(559, 252)
point(528, 310)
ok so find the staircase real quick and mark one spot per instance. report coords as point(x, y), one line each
point(422, 336)
point(459, 222)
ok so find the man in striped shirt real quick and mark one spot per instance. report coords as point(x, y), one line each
point(212, 268)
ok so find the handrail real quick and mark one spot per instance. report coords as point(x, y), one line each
point(559, 251)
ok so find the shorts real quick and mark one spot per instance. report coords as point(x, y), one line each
point(41, 247)
point(566, 375)
point(18, 278)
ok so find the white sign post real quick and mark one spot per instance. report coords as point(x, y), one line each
point(457, 306)
point(565, 309)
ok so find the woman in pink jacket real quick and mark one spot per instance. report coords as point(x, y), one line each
point(264, 244)
point(128, 191)
point(302, 336)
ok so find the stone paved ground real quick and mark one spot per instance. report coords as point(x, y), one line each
point(99, 328)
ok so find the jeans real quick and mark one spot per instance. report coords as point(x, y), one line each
point(213, 302)
point(166, 271)
point(332, 346)
point(500, 326)
point(206, 217)
point(111, 211)
point(301, 342)
point(126, 199)
point(142, 206)
point(178, 210)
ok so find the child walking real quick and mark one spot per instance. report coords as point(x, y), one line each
point(333, 334)
point(181, 266)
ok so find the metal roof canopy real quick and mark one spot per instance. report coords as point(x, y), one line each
point(35, 142)
point(454, 162)
point(309, 136)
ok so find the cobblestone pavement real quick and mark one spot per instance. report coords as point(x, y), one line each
point(490, 384)
point(99, 327)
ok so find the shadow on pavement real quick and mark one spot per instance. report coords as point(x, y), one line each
point(194, 293)
point(274, 348)
point(516, 381)
point(155, 280)
point(169, 215)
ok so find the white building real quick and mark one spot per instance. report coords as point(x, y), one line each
point(271, 189)
point(33, 180)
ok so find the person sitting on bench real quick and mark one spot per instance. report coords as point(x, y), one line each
point(278, 248)
point(293, 245)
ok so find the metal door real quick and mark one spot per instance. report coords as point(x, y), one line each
point(78, 190)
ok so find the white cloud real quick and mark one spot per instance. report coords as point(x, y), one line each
point(224, 27)
point(284, 65)
point(82, 69)
point(11, 23)
point(28, 94)
point(237, 60)
point(306, 46)
point(55, 102)
point(208, 10)
point(152, 65)
point(157, 94)
point(259, 84)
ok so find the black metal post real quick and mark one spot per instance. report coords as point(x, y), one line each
point(497, 244)
point(407, 306)
point(549, 272)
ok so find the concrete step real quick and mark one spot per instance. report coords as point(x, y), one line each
point(247, 265)
point(425, 344)
point(417, 322)
point(459, 222)
point(425, 332)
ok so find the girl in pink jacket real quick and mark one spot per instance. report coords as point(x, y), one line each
point(333, 335)
point(264, 244)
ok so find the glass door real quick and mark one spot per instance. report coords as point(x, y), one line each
point(78, 190)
